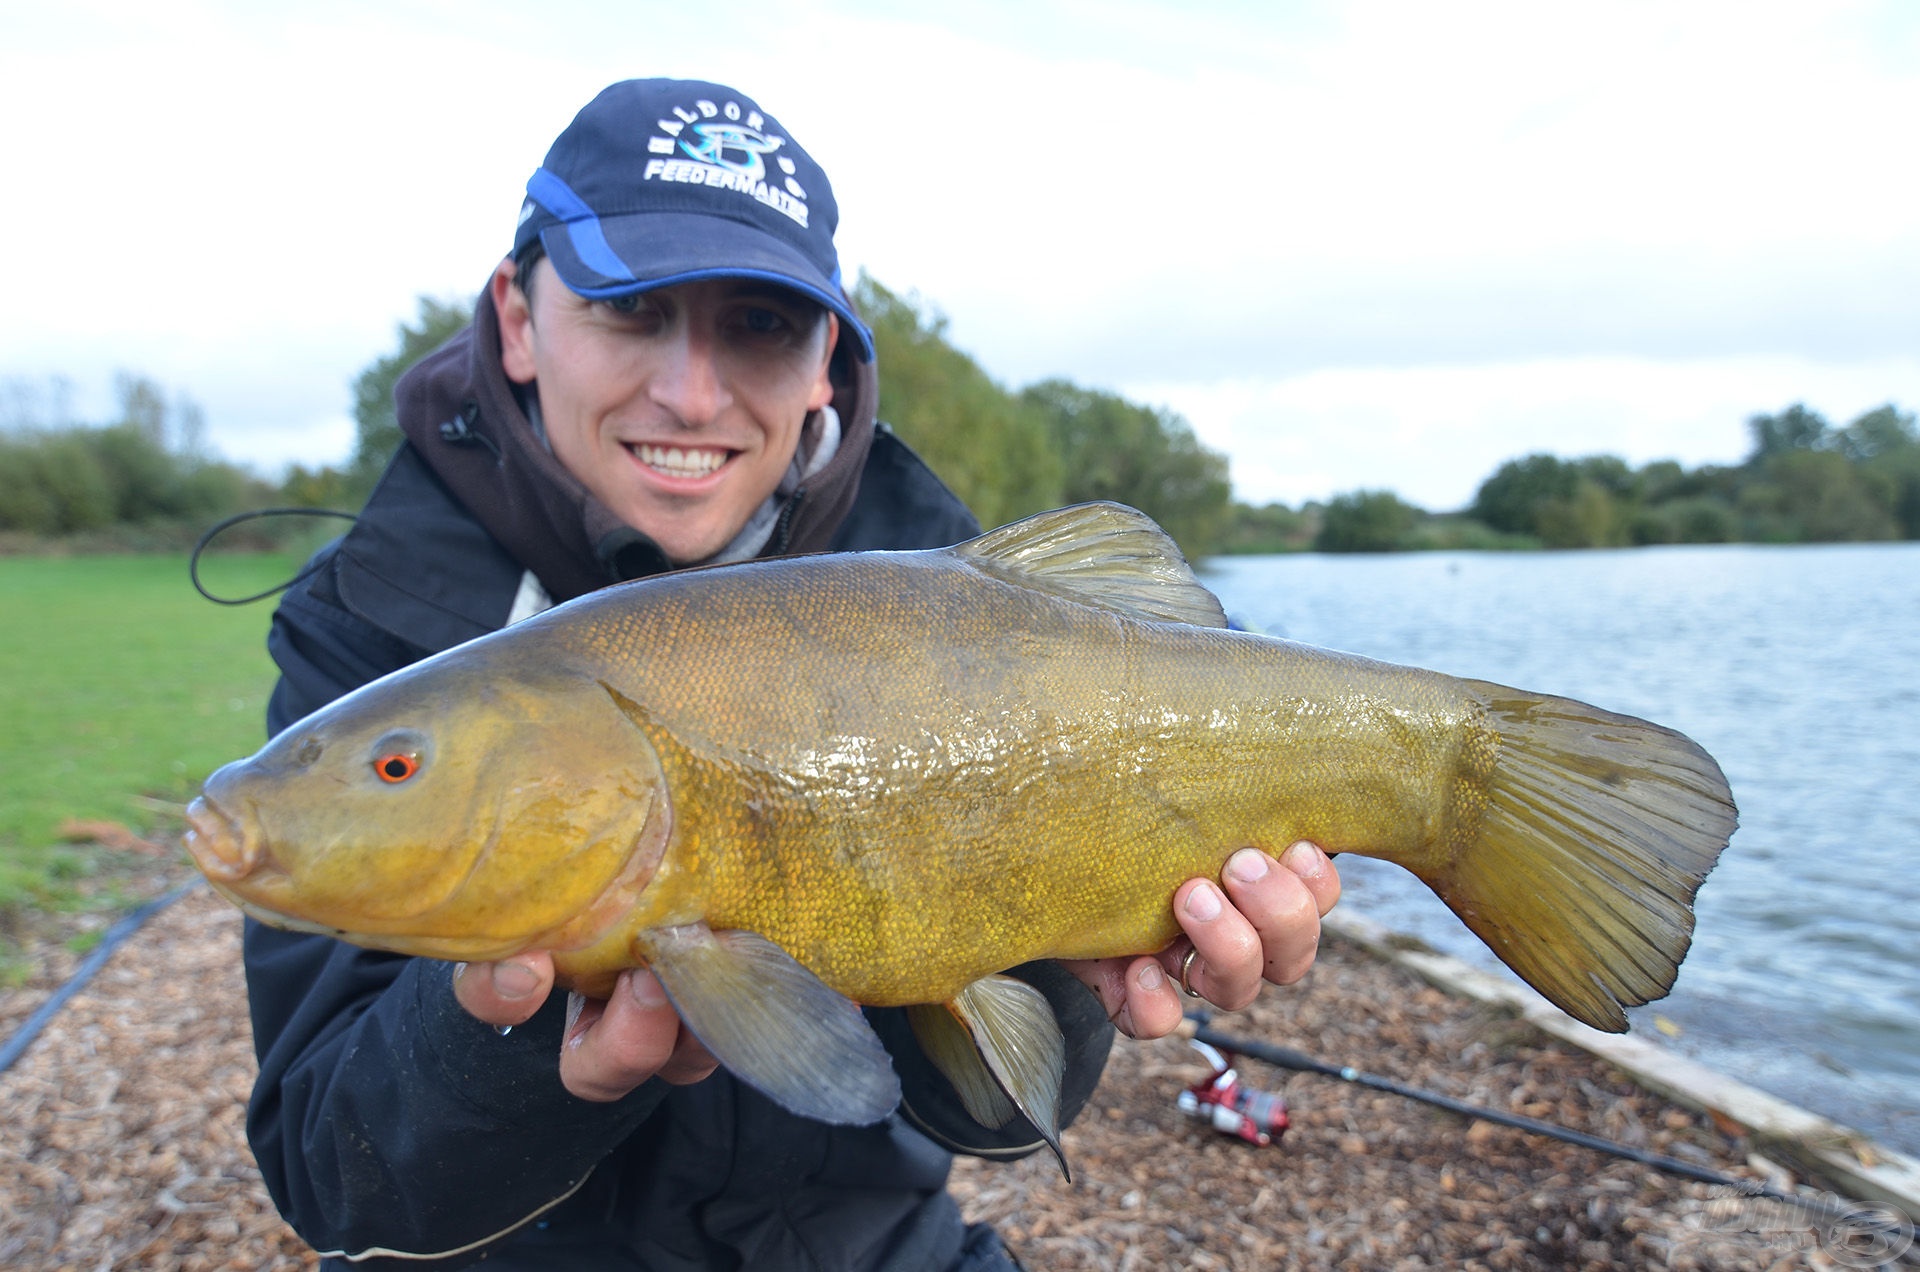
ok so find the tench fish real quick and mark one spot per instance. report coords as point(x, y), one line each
point(797, 785)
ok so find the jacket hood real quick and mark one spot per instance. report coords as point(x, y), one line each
point(460, 412)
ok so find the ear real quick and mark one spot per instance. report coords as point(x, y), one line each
point(823, 383)
point(516, 323)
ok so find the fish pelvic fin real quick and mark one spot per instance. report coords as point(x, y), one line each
point(999, 1044)
point(1102, 554)
point(773, 1024)
point(1595, 831)
point(949, 1044)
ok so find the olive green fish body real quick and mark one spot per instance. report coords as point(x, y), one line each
point(884, 778)
point(1037, 798)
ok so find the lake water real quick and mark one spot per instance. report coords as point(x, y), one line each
point(1799, 669)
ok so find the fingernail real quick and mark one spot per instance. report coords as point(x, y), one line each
point(514, 980)
point(1304, 859)
point(1203, 903)
point(645, 989)
point(1249, 865)
point(575, 1004)
point(1151, 977)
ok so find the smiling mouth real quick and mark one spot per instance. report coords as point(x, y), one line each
point(685, 463)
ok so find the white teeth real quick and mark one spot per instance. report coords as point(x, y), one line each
point(675, 462)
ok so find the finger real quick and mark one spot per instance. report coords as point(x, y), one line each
point(1317, 871)
point(1134, 992)
point(506, 993)
point(1106, 977)
point(615, 1045)
point(1154, 1007)
point(1282, 905)
point(1227, 967)
point(690, 1061)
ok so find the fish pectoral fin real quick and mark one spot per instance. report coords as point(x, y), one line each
point(773, 1024)
point(1101, 554)
point(999, 1043)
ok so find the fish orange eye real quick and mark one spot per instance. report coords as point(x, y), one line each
point(397, 767)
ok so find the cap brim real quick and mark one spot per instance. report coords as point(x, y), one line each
point(624, 255)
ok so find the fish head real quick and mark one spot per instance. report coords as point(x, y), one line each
point(453, 810)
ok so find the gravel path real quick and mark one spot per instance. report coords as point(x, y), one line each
point(124, 1145)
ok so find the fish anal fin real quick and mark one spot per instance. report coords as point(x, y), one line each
point(773, 1024)
point(1017, 1038)
point(1102, 554)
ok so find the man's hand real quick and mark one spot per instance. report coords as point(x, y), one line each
point(1264, 926)
point(611, 1046)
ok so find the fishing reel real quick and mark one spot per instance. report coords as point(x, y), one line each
point(1230, 1106)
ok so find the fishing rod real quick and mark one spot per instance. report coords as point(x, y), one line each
point(117, 935)
point(1199, 1029)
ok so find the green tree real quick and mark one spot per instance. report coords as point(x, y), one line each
point(322, 487)
point(1820, 497)
point(54, 485)
point(1794, 429)
point(1510, 500)
point(1366, 521)
point(143, 407)
point(1661, 480)
point(1691, 519)
point(988, 445)
point(74, 478)
point(1269, 528)
point(1885, 445)
point(1588, 517)
point(376, 426)
point(1611, 474)
point(1137, 455)
point(1880, 432)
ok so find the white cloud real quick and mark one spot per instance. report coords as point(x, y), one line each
point(242, 202)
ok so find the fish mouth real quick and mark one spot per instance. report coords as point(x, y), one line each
point(218, 844)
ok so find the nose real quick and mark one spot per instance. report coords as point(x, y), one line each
point(688, 379)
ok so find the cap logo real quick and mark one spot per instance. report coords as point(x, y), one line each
point(725, 147)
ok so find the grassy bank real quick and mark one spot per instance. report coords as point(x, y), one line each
point(120, 689)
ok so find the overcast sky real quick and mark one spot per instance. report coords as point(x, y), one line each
point(1381, 245)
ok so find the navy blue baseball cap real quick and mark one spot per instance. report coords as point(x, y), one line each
point(662, 181)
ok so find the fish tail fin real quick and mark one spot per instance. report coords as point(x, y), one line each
point(1595, 831)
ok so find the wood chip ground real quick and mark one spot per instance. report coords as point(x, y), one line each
point(124, 1143)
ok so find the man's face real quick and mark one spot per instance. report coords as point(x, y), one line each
point(680, 408)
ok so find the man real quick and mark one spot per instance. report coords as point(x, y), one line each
point(665, 372)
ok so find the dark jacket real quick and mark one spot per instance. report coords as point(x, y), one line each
point(387, 1120)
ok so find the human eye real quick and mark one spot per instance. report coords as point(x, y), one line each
point(638, 312)
point(761, 321)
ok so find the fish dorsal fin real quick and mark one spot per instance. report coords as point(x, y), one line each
point(1102, 554)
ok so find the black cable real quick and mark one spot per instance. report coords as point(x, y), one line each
point(16, 1046)
point(193, 561)
point(1286, 1058)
